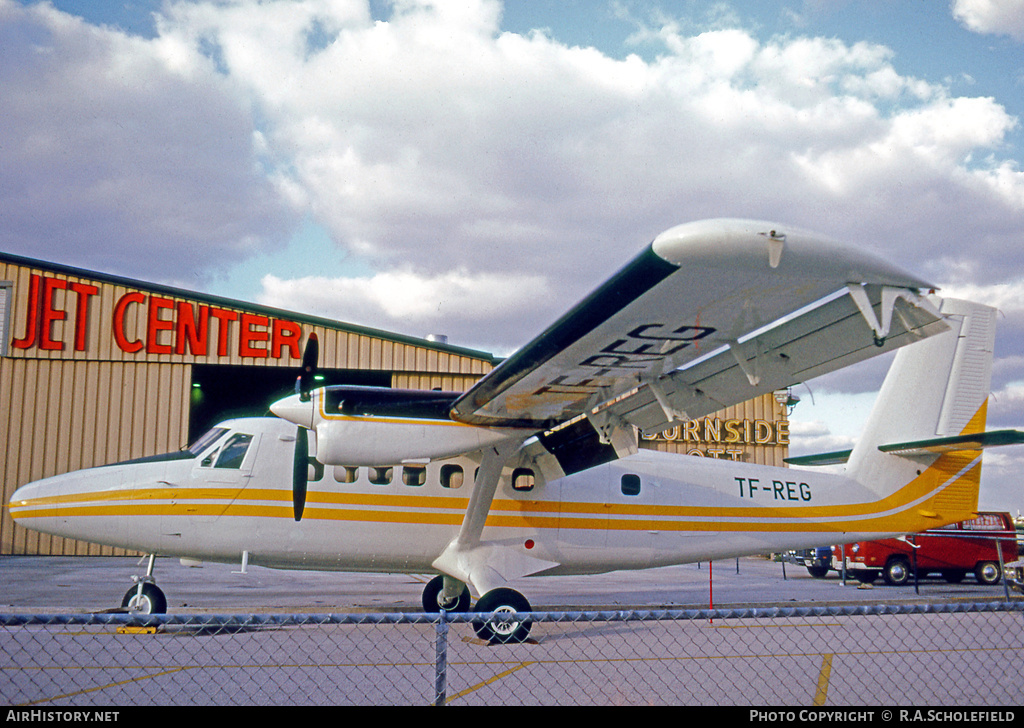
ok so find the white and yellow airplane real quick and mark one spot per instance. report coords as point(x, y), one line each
point(536, 469)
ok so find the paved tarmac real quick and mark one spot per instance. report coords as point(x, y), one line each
point(36, 584)
point(819, 661)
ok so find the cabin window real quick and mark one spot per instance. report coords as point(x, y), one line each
point(523, 479)
point(381, 476)
point(452, 476)
point(414, 475)
point(233, 452)
point(315, 471)
point(345, 474)
point(630, 484)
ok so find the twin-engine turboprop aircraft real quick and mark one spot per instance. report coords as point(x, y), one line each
point(536, 469)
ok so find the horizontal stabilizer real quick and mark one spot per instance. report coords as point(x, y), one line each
point(975, 441)
point(839, 457)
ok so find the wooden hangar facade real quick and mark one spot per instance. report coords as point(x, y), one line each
point(98, 369)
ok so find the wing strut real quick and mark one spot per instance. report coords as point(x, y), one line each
point(485, 484)
point(481, 564)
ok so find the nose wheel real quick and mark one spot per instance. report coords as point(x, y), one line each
point(145, 597)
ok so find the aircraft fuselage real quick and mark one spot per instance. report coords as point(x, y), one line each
point(233, 496)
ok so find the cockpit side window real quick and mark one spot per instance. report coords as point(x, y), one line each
point(206, 440)
point(233, 452)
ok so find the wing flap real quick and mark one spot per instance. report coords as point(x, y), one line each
point(820, 340)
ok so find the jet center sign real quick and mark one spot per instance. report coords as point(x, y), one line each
point(60, 314)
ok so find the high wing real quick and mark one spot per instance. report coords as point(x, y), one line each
point(710, 314)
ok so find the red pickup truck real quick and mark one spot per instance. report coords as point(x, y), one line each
point(952, 551)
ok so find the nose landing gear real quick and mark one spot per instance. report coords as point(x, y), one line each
point(145, 597)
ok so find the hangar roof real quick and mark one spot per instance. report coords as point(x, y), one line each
point(246, 305)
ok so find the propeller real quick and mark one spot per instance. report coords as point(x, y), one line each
point(309, 363)
point(300, 461)
point(300, 472)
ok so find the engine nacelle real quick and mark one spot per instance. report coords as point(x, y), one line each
point(367, 441)
point(364, 426)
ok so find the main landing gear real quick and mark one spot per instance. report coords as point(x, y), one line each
point(145, 597)
point(501, 608)
point(502, 627)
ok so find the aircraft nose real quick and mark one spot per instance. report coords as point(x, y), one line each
point(32, 499)
point(20, 498)
point(293, 409)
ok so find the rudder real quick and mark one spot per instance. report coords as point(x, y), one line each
point(937, 388)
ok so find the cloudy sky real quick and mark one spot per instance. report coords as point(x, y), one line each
point(473, 167)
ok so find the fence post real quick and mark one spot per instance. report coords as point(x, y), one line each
point(441, 660)
point(1002, 569)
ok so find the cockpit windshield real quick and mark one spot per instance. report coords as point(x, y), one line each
point(206, 440)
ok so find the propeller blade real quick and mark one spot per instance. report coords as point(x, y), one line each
point(309, 364)
point(300, 472)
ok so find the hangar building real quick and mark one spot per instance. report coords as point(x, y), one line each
point(97, 369)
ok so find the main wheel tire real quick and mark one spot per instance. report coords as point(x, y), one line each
point(987, 572)
point(501, 629)
point(897, 571)
point(818, 572)
point(432, 601)
point(953, 576)
point(150, 601)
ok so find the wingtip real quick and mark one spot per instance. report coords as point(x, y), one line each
point(779, 248)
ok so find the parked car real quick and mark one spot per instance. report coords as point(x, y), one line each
point(1014, 572)
point(952, 551)
point(818, 560)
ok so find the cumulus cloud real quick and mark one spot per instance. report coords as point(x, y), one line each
point(415, 304)
point(426, 139)
point(814, 436)
point(114, 160)
point(435, 131)
point(993, 17)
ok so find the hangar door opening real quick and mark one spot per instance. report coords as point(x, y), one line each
point(220, 392)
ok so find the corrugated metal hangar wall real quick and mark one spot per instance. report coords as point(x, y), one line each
point(96, 369)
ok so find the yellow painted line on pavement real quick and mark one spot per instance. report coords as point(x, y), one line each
point(823, 677)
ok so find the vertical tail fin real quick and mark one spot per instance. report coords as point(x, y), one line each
point(935, 389)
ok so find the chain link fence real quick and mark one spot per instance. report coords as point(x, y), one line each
point(942, 655)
